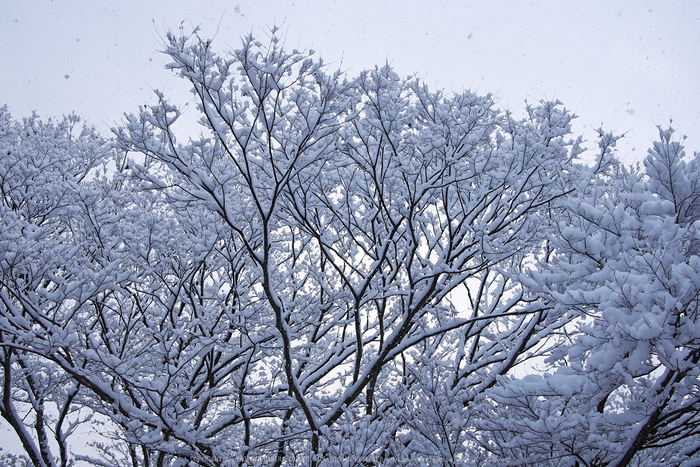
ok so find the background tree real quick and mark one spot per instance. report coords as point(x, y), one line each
point(624, 390)
point(45, 172)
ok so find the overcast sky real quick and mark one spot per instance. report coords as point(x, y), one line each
point(628, 65)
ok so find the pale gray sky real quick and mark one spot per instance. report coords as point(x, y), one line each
point(626, 64)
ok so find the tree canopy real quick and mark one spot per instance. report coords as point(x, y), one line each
point(344, 271)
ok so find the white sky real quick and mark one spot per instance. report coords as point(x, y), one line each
point(628, 65)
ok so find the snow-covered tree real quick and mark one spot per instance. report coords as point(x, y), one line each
point(46, 172)
point(343, 271)
point(624, 389)
point(378, 224)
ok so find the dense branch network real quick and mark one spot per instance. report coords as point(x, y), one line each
point(342, 271)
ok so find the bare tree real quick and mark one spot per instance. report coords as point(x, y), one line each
point(361, 206)
point(339, 271)
point(43, 170)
